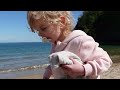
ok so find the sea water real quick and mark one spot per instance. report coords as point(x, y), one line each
point(17, 59)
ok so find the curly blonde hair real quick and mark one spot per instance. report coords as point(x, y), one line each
point(50, 16)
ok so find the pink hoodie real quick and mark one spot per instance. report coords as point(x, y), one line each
point(95, 58)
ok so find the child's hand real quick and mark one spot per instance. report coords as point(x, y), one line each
point(47, 73)
point(75, 69)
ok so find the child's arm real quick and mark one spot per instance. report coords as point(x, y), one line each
point(97, 60)
point(47, 73)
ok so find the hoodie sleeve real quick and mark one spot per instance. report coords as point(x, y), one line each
point(96, 59)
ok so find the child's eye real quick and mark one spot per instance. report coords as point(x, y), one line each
point(44, 29)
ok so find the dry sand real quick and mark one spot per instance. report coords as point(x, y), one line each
point(112, 73)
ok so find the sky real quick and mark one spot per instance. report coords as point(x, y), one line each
point(14, 27)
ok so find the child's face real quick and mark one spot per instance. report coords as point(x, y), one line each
point(49, 30)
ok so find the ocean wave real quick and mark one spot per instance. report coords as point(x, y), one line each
point(24, 68)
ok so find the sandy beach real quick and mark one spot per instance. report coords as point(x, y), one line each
point(34, 76)
point(112, 73)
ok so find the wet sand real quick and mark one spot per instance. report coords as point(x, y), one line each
point(34, 76)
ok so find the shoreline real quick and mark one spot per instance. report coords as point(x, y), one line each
point(27, 74)
point(112, 73)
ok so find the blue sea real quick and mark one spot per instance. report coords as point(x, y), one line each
point(19, 59)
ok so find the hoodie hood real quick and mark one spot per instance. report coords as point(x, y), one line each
point(73, 35)
point(61, 45)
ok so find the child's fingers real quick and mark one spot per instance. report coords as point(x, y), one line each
point(65, 67)
point(73, 60)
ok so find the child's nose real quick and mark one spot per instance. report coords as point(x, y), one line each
point(42, 34)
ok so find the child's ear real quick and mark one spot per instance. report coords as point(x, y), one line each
point(62, 19)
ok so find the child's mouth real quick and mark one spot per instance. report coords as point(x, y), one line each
point(46, 39)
